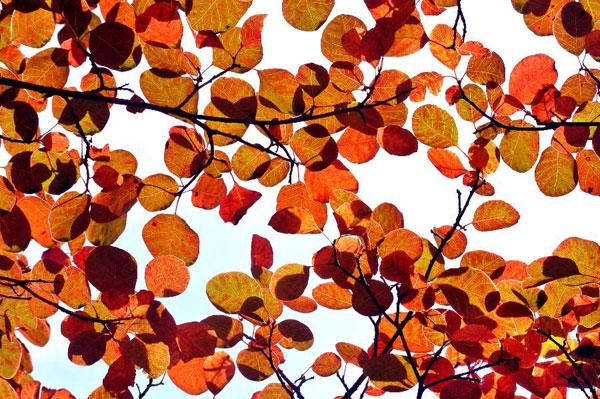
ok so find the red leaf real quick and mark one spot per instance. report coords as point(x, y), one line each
point(235, 205)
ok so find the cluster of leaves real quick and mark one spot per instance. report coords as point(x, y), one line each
point(476, 330)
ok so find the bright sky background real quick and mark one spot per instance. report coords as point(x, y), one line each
point(426, 198)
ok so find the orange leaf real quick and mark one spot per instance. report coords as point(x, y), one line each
point(294, 220)
point(254, 365)
point(171, 235)
point(337, 37)
point(307, 15)
point(314, 146)
point(530, 76)
point(289, 281)
point(188, 375)
point(446, 162)
point(36, 211)
point(218, 371)
point(157, 192)
point(322, 183)
point(494, 215)
point(358, 146)
point(209, 192)
point(332, 296)
point(296, 195)
point(160, 23)
point(326, 364)
point(556, 173)
point(167, 276)
point(588, 172)
point(295, 335)
point(216, 15)
point(235, 205)
point(455, 246)
point(229, 330)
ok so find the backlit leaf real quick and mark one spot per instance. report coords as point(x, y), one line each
point(351, 353)
point(157, 192)
point(295, 334)
point(294, 220)
point(483, 69)
point(326, 364)
point(218, 371)
point(446, 162)
point(281, 91)
point(470, 292)
point(519, 149)
point(530, 76)
point(254, 365)
point(164, 88)
point(209, 192)
point(36, 211)
point(11, 353)
point(233, 292)
point(229, 330)
point(115, 46)
point(307, 15)
point(588, 172)
point(33, 28)
point(391, 373)
point(171, 235)
point(188, 375)
point(48, 68)
point(556, 173)
point(358, 146)
point(442, 37)
point(434, 127)
point(494, 215)
point(321, 184)
point(249, 163)
point(289, 281)
point(314, 146)
point(167, 276)
point(235, 205)
point(332, 296)
point(339, 36)
point(159, 23)
point(397, 141)
point(492, 264)
point(217, 16)
point(69, 216)
point(456, 244)
point(571, 26)
point(6, 390)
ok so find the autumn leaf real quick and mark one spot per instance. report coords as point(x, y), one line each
point(494, 215)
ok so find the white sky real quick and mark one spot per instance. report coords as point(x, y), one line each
point(426, 198)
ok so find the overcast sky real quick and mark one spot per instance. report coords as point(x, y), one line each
point(425, 197)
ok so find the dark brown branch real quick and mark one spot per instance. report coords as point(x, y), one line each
point(387, 348)
point(576, 366)
point(24, 284)
point(150, 384)
point(91, 96)
point(460, 17)
point(539, 128)
point(86, 156)
point(461, 213)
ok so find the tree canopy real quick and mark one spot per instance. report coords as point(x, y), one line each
point(447, 320)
